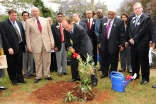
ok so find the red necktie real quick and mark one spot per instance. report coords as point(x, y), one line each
point(61, 31)
point(39, 25)
point(88, 24)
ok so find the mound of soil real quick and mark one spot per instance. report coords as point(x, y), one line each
point(53, 92)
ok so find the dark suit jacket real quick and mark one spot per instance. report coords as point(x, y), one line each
point(57, 35)
point(141, 32)
point(9, 36)
point(128, 24)
point(81, 42)
point(91, 32)
point(84, 25)
point(116, 37)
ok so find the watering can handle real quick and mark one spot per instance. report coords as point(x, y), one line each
point(115, 72)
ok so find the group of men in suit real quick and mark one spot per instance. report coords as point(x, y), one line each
point(40, 39)
point(112, 37)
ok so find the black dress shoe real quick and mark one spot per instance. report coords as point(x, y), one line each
point(64, 73)
point(103, 76)
point(144, 82)
point(32, 75)
point(2, 88)
point(37, 80)
point(14, 83)
point(22, 81)
point(154, 86)
point(49, 78)
point(121, 70)
point(60, 75)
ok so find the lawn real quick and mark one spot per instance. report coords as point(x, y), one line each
point(137, 94)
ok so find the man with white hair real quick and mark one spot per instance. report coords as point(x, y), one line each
point(39, 41)
point(111, 41)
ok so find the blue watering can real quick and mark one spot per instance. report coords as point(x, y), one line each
point(118, 81)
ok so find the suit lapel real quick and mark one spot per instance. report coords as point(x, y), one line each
point(34, 23)
point(10, 24)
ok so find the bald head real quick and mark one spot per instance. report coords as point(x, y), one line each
point(35, 12)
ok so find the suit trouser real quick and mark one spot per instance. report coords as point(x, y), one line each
point(42, 61)
point(15, 66)
point(125, 59)
point(28, 63)
point(140, 58)
point(107, 58)
point(53, 65)
point(61, 57)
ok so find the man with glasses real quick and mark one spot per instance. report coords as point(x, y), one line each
point(139, 36)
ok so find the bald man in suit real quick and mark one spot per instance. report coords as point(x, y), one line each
point(39, 41)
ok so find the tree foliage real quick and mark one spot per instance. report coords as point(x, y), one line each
point(46, 12)
point(68, 7)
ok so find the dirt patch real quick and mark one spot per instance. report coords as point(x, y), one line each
point(52, 93)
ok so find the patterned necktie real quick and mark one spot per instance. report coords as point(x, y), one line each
point(39, 25)
point(61, 31)
point(107, 29)
point(17, 32)
point(88, 24)
point(136, 21)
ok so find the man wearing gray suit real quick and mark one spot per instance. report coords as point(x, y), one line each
point(60, 47)
point(111, 39)
point(28, 64)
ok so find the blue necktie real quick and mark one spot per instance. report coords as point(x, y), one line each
point(136, 21)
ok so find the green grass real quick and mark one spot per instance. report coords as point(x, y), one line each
point(137, 94)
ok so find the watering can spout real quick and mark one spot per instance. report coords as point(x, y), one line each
point(133, 77)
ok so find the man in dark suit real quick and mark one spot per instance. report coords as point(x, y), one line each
point(60, 48)
point(13, 37)
point(81, 45)
point(111, 39)
point(139, 36)
point(91, 33)
point(77, 21)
